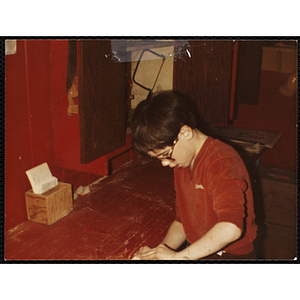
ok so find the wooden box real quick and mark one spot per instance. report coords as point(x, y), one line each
point(51, 206)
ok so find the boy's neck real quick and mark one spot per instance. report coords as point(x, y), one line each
point(199, 140)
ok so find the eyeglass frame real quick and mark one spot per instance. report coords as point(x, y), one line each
point(169, 156)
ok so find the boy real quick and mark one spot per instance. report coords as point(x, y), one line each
point(214, 204)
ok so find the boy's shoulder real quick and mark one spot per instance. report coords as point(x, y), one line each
point(219, 149)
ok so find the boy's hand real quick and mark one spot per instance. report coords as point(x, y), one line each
point(161, 252)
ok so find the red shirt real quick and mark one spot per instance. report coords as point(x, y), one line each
point(218, 189)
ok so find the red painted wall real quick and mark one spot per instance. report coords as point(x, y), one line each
point(28, 132)
point(38, 129)
point(66, 136)
point(66, 128)
point(274, 112)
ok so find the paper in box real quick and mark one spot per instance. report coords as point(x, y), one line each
point(41, 179)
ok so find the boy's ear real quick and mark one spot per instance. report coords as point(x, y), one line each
point(186, 132)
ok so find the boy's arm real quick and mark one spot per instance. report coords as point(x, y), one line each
point(173, 240)
point(175, 236)
point(214, 240)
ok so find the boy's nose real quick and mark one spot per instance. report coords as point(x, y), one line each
point(165, 162)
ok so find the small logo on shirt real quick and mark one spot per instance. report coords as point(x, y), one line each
point(199, 186)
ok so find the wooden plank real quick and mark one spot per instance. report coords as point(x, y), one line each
point(102, 100)
point(203, 72)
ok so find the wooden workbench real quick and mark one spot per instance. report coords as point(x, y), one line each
point(131, 208)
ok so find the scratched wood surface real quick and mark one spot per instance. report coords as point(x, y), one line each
point(129, 209)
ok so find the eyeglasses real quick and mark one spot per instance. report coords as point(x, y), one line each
point(168, 154)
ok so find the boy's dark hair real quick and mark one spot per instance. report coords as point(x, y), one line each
point(157, 120)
